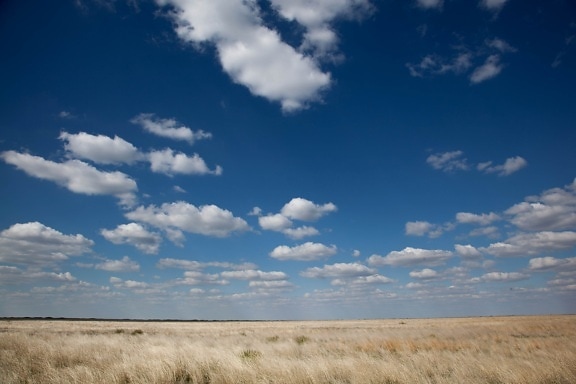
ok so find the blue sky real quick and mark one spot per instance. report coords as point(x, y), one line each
point(287, 159)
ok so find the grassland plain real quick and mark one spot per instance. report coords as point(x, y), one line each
point(532, 349)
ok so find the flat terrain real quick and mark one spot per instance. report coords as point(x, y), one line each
point(533, 349)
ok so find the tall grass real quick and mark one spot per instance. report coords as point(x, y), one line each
point(539, 350)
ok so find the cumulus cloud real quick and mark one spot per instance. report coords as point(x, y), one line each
point(320, 37)
point(209, 220)
point(503, 276)
point(467, 251)
point(169, 128)
point(472, 218)
point(34, 243)
point(200, 278)
point(554, 209)
point(277, 222)
point(170, 163)
point(433, 65)
point(411, 256)
point(528, 244)
point(448, 161)
point(338, 270)
point(424, 274)
point(549, 263)
point(510, 166)
point(76, 176)
point(196, 265)
point(252, 54)
point(305, 210)
point(252, 274)
point(100, 149)
point(123, 265)
point(300, 232)
point(134, 234)
point(304, 252)
point(422, 228)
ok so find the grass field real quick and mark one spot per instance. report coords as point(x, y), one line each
point(535, 349)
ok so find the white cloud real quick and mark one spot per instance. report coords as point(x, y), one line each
point(493, 5)
point(356, 253)
point(504, 276)
point(448, 161)
point(300, 232)
point(252, 274)
point(411, 256)
point(199, 278)
point(549, 263)
point(510, 166)
point(528, 244)
point(554, 209)
point(363, 280)
point(490, 69)
point(305, 252)
point(209, 220)
point(169, 128)
point(76, 176)
point(467, 251)
point(252, 54)
point(305, 210)
point(316, 16)
point(430, 3)
point(500, 45)
point(196, 265)
point(338, 270)
point(169, 163)
point(277, 222)
point(100, 149)
point(134, 234)
point(491, 232)
point(267, 284)
point(418, 228)
point(128, 284)
point(36, 244)
point(424, 274)
point(471, 218)
point(123, 265)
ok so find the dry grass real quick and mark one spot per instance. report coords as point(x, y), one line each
point(540, 349)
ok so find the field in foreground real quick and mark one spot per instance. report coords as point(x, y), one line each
point(535, 349)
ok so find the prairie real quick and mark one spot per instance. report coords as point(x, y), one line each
point(490, 350)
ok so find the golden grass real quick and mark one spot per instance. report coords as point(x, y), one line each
point(538, 349)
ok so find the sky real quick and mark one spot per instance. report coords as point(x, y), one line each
point(287, 159)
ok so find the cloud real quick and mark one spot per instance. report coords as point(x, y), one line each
point(504, 276)
point(338, 270)
point(490, 69)
point(34, 243)
point(424, 274)
point(76, 176)
point(427, 4)
point(270, 285)
point(554, 209)
point(100, 149)
point(305, 210)
point(320, 38)
point(169, 128)
point(421, 228)
point(304, 252)
point(134, 234)
point(196, 265)
point(471, 218)
point(209, 220)
point(433, 65)
point(411, 256)
point(493, 5)
point(252, 274)
point(169, 163)
point(548, 263)
point(252, 54)
point(510, 166)
point(123, 265)
point(199, 278)
point(528, 244)
point(418, 228)
point(14, 275)
point(128, 284)
point(277, 222)
point(448, 161)
point(300, 232)
point(467, 252)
